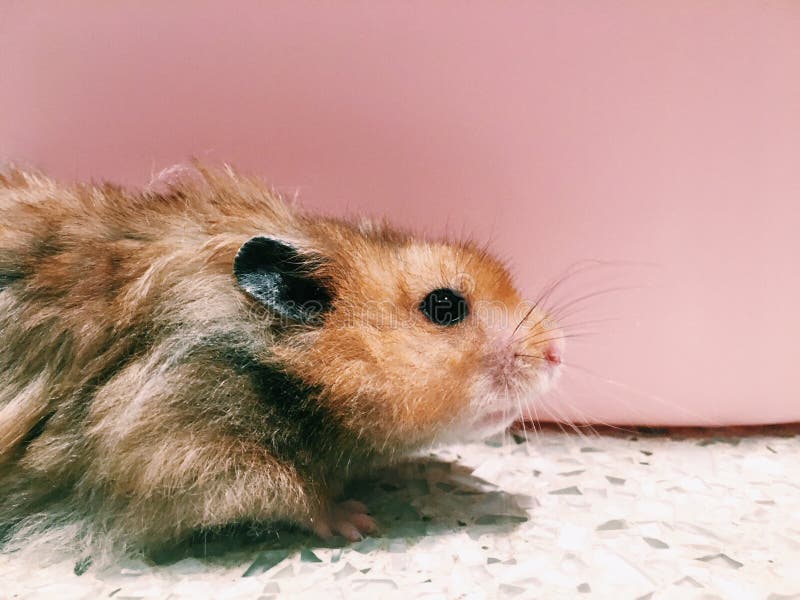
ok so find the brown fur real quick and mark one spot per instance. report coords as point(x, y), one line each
point(145, 396)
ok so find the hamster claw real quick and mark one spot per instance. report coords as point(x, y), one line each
point(350, 519)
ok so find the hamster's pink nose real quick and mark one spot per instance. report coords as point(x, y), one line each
point(553, 355)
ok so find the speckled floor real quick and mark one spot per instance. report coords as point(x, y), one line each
point(620, 515)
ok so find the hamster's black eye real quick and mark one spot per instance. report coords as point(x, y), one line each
point(444, 307)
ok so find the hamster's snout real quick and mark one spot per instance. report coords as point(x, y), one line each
point(543, 345)
point(522, 360)
point(553, 355)
point(526, 348)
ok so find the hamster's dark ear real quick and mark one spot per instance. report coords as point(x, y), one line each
point(278, 276)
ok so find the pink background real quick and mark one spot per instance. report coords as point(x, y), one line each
point(663, 136)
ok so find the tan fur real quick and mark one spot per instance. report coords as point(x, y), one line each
point(109, 324)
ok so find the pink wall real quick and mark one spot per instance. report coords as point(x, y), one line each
point(662, 135)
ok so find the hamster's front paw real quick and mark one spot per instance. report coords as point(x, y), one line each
point(349, 518)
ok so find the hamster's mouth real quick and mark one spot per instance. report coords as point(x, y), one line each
point(501, 396)
point(503, 405)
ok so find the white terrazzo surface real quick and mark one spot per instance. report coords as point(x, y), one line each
point(620, 516)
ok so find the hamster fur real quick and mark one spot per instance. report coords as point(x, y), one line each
point(162, 373)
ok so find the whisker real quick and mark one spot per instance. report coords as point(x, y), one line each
point(532, 356)
point(560, 330)
point(525, 318)
point(563, 324)
point(519, 411)
point(506, 404)
point(567, 336)
point(571, 271)
point(702, 419)
point(537, 339)
point(592, 419)
point(589, 418)
point(562, 419)
point(555, 311)
point(580, 310)
point(561, 327)
point(536, 423)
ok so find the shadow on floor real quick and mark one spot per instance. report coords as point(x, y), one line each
point(410, 501)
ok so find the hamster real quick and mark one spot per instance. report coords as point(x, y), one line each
point(209, 354)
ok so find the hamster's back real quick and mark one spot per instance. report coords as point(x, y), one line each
point(93, 279)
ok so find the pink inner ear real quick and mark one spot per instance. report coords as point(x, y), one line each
point(662, 136)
